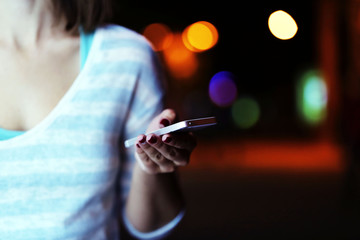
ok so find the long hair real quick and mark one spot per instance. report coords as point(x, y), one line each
point(88, 14)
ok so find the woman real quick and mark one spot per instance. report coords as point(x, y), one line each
point(64, 172)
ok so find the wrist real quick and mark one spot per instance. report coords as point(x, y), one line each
point(159, 183)
point(160, 193)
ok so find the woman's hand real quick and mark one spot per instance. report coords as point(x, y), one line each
point(163, 154)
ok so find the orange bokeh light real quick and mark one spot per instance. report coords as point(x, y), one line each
point(200, 36)
point(181, 62)
point(159, 35)
point(321, 156)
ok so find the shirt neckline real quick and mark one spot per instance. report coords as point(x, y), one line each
point(45, 122)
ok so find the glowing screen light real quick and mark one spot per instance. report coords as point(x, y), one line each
point(245, 112)
point(282, 25)
point(312, 98)
point(222, 89)
point(200, 36)
point(159, 35)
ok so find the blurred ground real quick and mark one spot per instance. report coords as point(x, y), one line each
point(234, 194)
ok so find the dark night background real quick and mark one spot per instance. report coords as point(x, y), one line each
point(266, 68)
point(281, 178)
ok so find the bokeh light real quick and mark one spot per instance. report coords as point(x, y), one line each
point(180, 61)
point(223, 89)
point(200, 36)
point(159, 35)
point(312, 97)
point(245, 112)
point(282, 25)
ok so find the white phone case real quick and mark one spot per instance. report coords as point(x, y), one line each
point(187, 125)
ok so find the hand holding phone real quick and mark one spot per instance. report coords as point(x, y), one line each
point(187, 125)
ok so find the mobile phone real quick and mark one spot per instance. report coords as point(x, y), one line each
point(183, 126)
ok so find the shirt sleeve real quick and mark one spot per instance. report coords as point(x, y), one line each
point(160, 233)
point(146, 103)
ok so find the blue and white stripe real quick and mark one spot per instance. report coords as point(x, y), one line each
point(60, 179)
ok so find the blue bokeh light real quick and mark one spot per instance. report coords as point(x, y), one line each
point(222, 89)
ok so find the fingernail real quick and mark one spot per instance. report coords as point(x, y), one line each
point(164, 122)
point(167, 139)
point(152, 139)
point(137, 145)
point(141, 139)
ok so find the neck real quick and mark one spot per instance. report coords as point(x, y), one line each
point(26, 23)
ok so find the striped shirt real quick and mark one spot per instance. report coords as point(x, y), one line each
point(67, 177)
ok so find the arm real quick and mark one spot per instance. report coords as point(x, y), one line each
point(155, 197)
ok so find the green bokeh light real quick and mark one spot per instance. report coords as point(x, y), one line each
point(245, 112)
point(312, 98)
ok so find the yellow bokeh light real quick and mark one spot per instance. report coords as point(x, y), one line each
point(200, 36)
point(282, 25)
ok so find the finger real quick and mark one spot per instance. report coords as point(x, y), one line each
point(144, 161)
point(179, 157)
point(168, 114)
point(154, 155)
point(166, 117)
point(185, 141)
point(164, 122)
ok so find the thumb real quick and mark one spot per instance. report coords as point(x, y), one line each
point(167, 117)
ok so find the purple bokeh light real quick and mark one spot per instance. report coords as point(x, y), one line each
point(222, 89)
